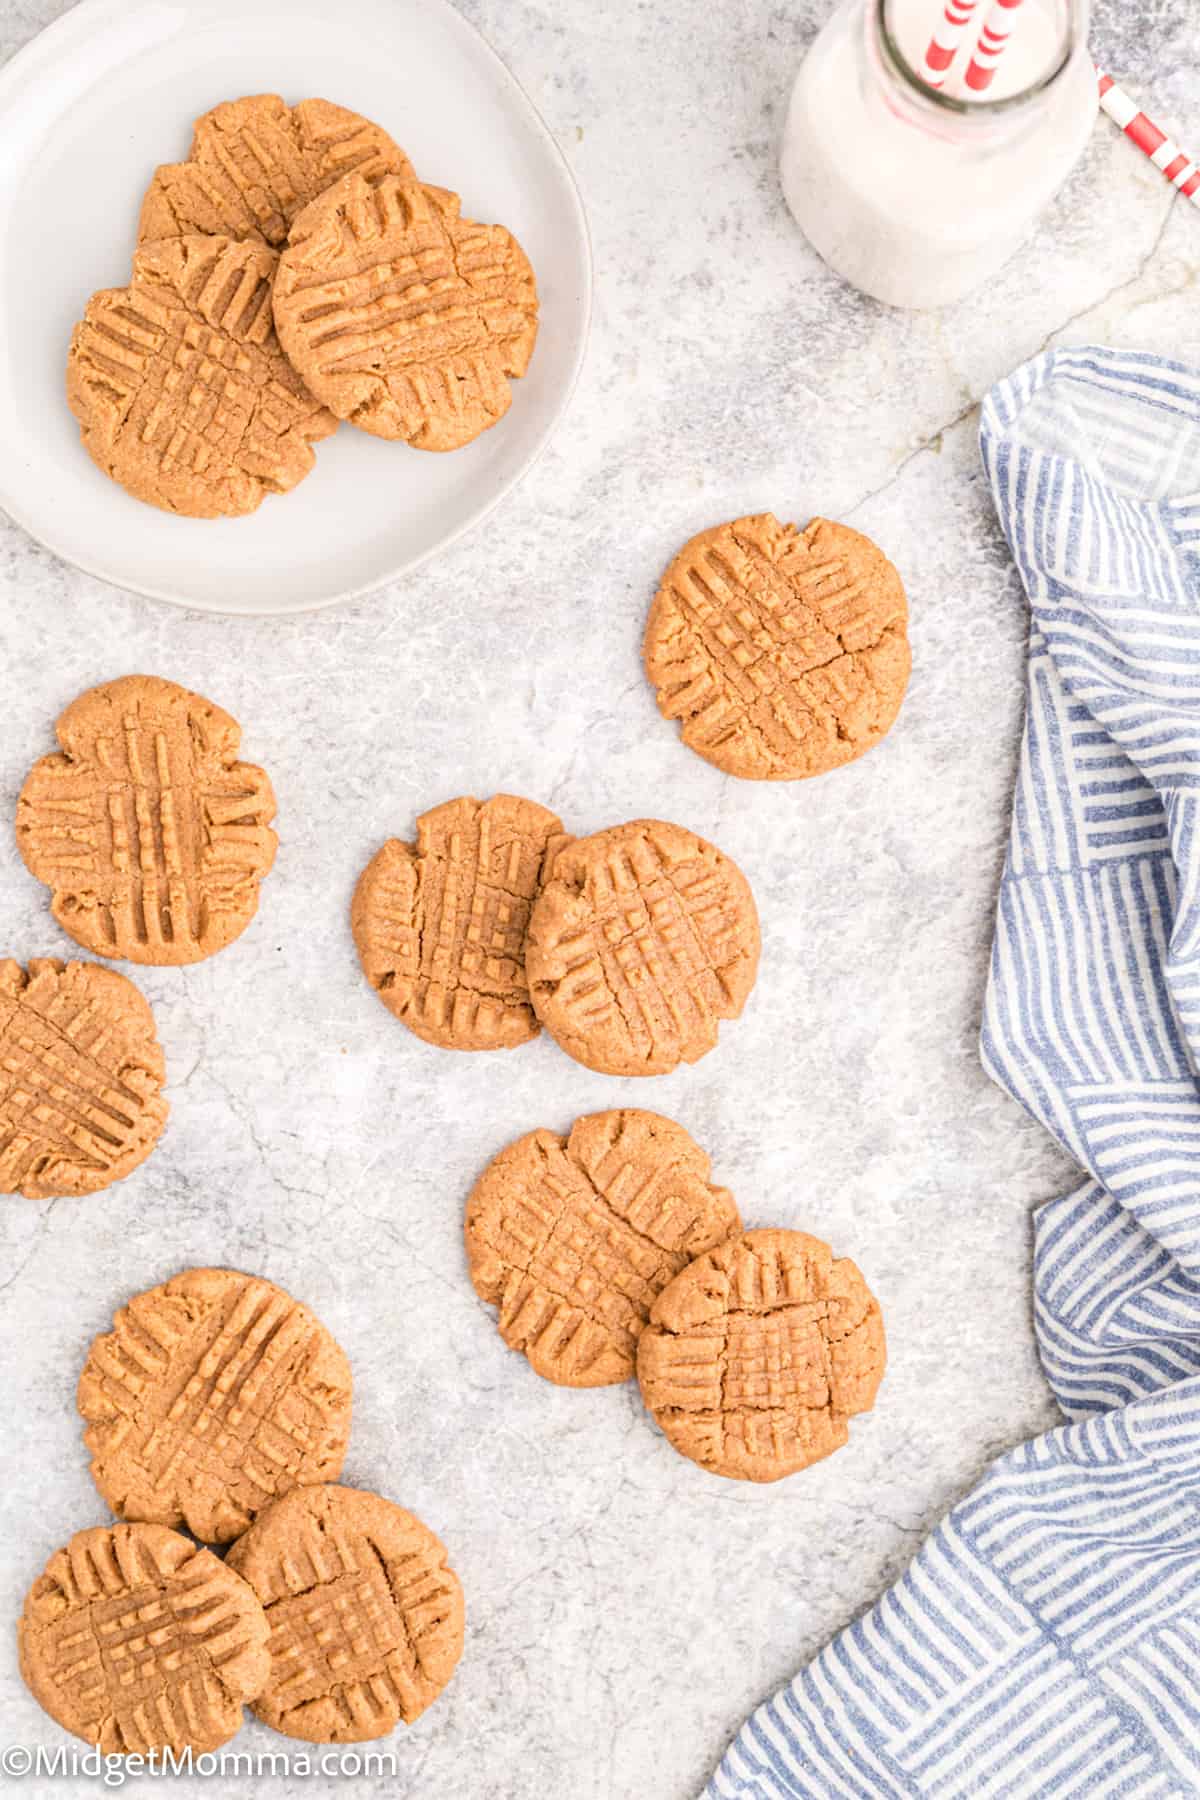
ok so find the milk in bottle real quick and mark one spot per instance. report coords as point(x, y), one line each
point(917, 194)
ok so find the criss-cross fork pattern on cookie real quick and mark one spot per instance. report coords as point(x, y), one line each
point(759, 1352)
point(440, 925)
point(81, 1077)
point(782, 653)
point(256, 162)
point(401, 315)
point(642, 941)
point(182, 392)
point(573, 1238)
point(211, 1396)
point(136, 1640)
point(366, 1620)
point(150, 832)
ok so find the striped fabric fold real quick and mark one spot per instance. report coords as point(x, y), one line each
point(1046, 1639)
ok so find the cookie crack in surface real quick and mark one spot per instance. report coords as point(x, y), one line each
point(813, 602)
point(777, 650)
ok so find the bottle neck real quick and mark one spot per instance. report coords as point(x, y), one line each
point(895, 43)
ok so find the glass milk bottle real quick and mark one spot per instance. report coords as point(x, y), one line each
point(917, 194)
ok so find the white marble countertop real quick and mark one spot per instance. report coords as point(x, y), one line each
point(624, 1609)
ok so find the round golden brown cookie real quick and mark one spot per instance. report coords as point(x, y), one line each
point(440, 924)
point(572, 1238)
point(182, 392)
point(214, 1394)
point(151, 834)
point(256, 162)
point(136, 1640)
point(642, 940)
point(366, 1619)
point(402, 316)
point(81, 1079)
point(782, 653)
point(759, 1352)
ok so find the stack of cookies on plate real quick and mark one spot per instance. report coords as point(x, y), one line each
point(220, 1406)
point(294, 272)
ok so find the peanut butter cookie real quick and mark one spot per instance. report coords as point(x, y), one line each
point(402, 316)
point(256, 162)
point(182, 393)
point(759, 1352)
point(642, 940)
point(81, 1078)
point(782, 653)
point(150, 833)
point(573, 1238)
point(365, 1617)
point(214, 1394)
point(137, 1641)
point(440, 924)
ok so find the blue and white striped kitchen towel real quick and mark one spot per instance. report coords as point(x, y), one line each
point(1046, 1640)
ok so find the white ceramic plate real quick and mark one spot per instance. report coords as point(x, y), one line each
point(86, 112)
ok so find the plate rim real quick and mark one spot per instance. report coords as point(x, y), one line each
point(76, 24)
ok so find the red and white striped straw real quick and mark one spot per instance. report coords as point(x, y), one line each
point(1163, 152)
point(993, 40)
point(947, 40)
